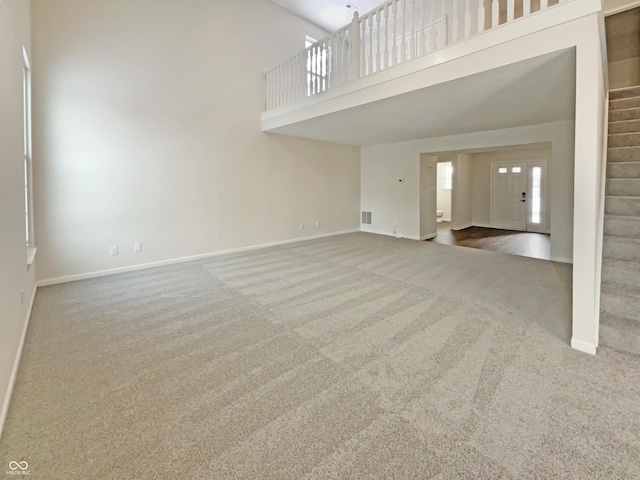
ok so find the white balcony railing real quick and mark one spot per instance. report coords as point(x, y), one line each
point(393, 33)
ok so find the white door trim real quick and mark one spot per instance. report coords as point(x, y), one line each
point(545, 228)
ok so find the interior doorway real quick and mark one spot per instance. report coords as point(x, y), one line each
point(519, 196)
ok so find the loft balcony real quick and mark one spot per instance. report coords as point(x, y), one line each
point(405, 47)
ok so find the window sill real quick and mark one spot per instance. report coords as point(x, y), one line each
point(31, 255)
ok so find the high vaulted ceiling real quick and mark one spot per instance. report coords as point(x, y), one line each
point(330, 15)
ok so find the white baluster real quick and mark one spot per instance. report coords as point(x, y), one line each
point(363, 50)
point(404, 30)
point(267, 105)
point(526, 7)
point(413, 44)
point(386, 35)
point(495, 13)
point(481, 14)
point(319, 68)
point(423, 29)
point(433, 31)
point(467, 19)
point(325, 66)
point(378, 14)
point(285, 82)
point(344, 57)
point(510, 10)
point(299, 77)
point(333, 54)
point(280, 85)
point(456, 22)
point(445, 26)
point(291, 81)
point(313, 70)
point(544, 4)
point(355, 46)
point(395, 32)
point(370, 44)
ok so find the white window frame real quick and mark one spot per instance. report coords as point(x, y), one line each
point(447, 177)
point(27, 159)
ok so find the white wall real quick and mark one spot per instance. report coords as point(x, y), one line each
point(15, 277)
point(481, 174)
point(461, 207)
point(147, 118)
point(429, 184)
point(391, 202)
point(444, 196)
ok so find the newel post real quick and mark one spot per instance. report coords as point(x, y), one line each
point(354, 70)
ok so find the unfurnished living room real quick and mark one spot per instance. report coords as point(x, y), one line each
point(213, 222)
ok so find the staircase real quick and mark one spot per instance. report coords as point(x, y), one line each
point(620, 294)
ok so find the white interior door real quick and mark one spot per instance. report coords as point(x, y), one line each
point(509, 195)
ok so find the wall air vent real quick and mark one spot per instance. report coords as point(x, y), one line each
point(366, 218)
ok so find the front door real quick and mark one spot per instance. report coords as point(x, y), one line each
point(509, 195)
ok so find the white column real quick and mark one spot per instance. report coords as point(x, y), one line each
point(589, 134)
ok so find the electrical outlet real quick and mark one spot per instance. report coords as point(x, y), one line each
point(318, 224)
point(302, 226)
point(113, 250)
point(137, 247)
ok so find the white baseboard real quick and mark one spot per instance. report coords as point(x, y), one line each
point(562, 260)
point(583, 346)
point(16, 364)
point(427, 237)
point(161, 263)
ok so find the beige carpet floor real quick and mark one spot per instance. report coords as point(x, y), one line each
point(352, 357)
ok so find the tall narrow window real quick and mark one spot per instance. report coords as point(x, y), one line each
point(447, 183)
point(27, 158)
point(316, 66)
point(536, 195)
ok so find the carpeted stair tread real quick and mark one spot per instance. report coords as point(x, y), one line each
point(621, 248)
point(625, 187)
point(623, 154)
point(624, 126)
point(615, 300)
point(621, 272)
point(624, 140)
point(624, 93)
point(624, 114)
point(621, 300)
point(622, 226)
point(624, 170)
point(622, 206)
point(624, 103)
point(619, 333)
